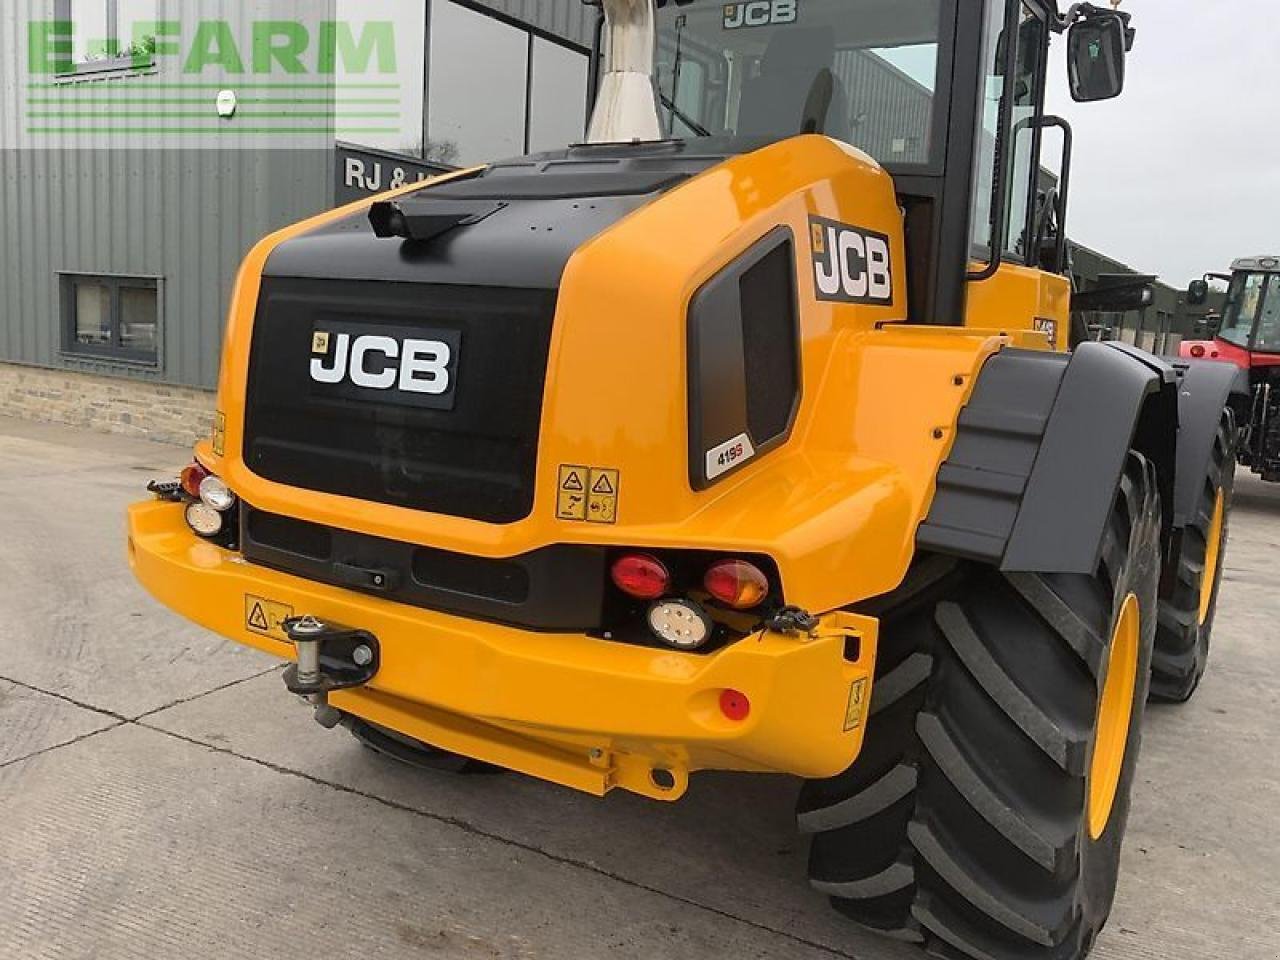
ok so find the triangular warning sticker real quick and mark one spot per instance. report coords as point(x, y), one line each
point(258, 619)
point(603, 485)
point(572, 481)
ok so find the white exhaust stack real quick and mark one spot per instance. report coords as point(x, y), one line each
point(627, 105)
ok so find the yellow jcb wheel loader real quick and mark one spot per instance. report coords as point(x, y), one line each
point(745, 436)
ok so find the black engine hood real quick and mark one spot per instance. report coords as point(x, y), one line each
point(537, 211)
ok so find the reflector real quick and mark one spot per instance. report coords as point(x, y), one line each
point(734, 705)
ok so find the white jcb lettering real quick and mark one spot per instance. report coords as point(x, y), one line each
point(757, 14)
point(333, 374)
point(854, 271)
point(828, 274)
point(361, 376)
point(424, 368)
point(380, 363)
point(850, 264)
point(880, 285)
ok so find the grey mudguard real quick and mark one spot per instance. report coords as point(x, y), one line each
point(1039, 451)
point(1205, 388)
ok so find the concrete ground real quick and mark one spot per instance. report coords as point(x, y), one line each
point(161, 795)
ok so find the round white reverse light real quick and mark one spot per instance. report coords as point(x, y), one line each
point(679, 623)
point(203, 519)
point(215, 493)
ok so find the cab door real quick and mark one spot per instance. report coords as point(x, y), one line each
point(1007, 289)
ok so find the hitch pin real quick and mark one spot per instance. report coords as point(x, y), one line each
point(305, 632)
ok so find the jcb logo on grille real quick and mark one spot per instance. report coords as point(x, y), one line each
point(417, 370)
point(850, 264)
point(759, 13)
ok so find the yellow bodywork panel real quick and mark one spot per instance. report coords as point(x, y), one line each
point(836, 506)
point(1024, 299)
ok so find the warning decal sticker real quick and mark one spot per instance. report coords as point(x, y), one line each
point(602, 504)
point(219, 433)
point(857, 706)
point(571, 493)
point(587, 493)
point(266, 616)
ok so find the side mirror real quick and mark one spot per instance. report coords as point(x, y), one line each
point(1095, 56)
point(1197, 292)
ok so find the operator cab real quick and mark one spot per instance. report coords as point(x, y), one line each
point(1251, 318)
point(920, 86)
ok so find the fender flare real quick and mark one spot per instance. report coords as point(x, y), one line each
point(1038, 453)
point(1205, 388)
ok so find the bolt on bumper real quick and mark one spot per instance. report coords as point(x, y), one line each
point(577, 710)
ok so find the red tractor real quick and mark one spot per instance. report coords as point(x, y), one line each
point(1249, 336)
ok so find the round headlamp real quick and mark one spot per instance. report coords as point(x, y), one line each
point(679, 623)
point(203, 519)
point(216, 494)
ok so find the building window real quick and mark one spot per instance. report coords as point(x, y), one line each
point(557, 96)
point(475, 85)
point(109, 317)
point(110, 35)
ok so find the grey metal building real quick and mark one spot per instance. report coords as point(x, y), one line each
point(127, 202)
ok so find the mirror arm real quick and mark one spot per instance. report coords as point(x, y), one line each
point(1083, 11)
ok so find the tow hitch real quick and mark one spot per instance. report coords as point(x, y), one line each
point(330, 657)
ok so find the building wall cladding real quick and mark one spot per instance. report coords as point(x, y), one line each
point(117, 203)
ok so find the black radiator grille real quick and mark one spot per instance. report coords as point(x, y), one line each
point(470, 454)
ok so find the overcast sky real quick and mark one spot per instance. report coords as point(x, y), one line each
point(1181, 173)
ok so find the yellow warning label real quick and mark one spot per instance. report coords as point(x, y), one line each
point(319, 342)
point(266, 616)
point(857, 708)
point(219, 433)
point(602, 503)
point(819, 243)
point(571, 492)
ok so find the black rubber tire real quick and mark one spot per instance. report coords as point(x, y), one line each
point(407, 750)
point(1182, 641)
point(963, 824)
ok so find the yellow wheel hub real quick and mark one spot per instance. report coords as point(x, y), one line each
point(1114, 712)
point(1212, 554)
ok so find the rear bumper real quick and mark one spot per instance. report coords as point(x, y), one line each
point(569, 708)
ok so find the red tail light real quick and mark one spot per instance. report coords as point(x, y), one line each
point(191, 477)
point(736, 583)
point(1197, 350)
point(641, 576)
